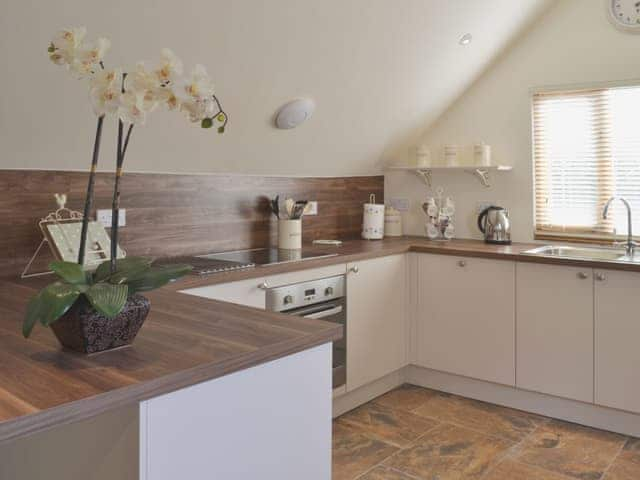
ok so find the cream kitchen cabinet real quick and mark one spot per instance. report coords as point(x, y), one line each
point(465, 318)
point(376, 318)
point(617, 339)
point(555, 330)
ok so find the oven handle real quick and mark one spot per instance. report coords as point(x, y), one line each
point(324, 313)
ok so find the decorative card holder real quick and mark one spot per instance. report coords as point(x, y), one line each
point(61, 231)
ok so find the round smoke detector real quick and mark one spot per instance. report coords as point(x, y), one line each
point(294, 113)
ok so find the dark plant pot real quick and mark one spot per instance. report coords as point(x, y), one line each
point(84, 330)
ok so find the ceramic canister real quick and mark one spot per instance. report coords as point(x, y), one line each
point(373, 220)
point(392, 222)
point(290, 234)
point(451, 156)
point(423, 156)
point(482, 155)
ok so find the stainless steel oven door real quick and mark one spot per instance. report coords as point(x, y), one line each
point(332, 311)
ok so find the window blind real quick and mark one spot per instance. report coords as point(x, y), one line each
point(586, 149)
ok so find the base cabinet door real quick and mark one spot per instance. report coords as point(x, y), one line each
point(377, 299)
point(465, 318)
point(555, 330)
point(617, 340)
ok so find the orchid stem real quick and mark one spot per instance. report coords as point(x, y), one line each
point(88, 203)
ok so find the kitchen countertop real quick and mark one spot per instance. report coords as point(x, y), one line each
point(185, 339)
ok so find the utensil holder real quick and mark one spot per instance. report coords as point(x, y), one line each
point(290, 234)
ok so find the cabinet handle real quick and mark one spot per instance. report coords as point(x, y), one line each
point(354, 269)
point(601, 277)
point(462, 263)
point(263, 286)
point(583, 275)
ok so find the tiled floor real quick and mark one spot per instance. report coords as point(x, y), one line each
point(413, 433)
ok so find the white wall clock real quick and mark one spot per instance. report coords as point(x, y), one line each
point(625, 14)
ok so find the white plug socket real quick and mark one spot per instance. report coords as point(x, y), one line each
point(104, 217)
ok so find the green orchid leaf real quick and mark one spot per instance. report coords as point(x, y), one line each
point(49, 305)
point(206, 123)
point(34, 307)
point(107, 299)
point(220, 129)
point(123, 266)
point(70, 272)
point(157, 277)
point(126, 275)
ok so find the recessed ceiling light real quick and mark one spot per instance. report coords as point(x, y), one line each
point(465, 39)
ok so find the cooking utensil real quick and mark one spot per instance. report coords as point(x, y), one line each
point(275, 206)
point(289, 204)
point(298, 209)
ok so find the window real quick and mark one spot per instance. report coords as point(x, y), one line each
point(586, 149)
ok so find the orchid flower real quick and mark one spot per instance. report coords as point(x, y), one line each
point(105, 90)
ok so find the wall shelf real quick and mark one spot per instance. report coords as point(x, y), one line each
point(482, 173)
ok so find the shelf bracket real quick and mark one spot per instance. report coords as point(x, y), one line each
point(425, 175)
point(483, 176)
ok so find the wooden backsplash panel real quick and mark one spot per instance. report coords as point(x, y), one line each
point(180, 214)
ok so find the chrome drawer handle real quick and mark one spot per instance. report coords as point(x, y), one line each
point(263, 286)
point(601, 277)
point(583, 275)
point(354, 269)
point(462, 263)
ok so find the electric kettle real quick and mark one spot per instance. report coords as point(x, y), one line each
point(494, 222)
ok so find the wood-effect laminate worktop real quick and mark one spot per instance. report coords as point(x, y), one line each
point(185, 340)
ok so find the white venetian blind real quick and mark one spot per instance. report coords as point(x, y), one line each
point(586, 149)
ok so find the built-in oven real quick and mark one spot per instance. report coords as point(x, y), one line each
point(322, 299)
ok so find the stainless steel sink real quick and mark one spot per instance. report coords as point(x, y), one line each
point(583, 253)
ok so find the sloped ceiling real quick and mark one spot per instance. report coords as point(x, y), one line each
point(381, 72)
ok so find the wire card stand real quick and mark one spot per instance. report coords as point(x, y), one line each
point(61, 230)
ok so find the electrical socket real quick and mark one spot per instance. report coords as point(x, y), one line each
point(311, 208)
point(104, 217)
point(480, 206)
point(400, 204)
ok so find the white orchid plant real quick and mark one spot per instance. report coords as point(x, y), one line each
point(130, 97)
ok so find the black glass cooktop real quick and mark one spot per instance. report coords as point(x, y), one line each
point(265, 256)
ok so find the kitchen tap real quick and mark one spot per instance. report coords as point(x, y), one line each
point(630, 244)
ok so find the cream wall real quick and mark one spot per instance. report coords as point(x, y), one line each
point(573, 43)
point(379, 70)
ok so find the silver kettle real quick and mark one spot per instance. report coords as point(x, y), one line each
point(494, 222)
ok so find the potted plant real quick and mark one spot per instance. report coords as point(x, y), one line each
point(95, 311)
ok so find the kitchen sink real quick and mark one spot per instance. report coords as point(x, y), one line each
point(583, 253)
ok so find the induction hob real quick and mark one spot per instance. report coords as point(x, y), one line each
point(265, 256)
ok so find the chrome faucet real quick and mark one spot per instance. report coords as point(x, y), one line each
point(630, 244)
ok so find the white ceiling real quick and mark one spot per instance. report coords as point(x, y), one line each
point(381, 71)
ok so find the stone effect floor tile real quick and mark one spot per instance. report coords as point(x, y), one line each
point(631, 451)
point(623, 470)
point(511, 470)
point(385, 473)
point(470, 440)
point(504, 422)
point(354, 453)
point(397, 427)
point(573, 450)
point(407, 397)
point(449, 452)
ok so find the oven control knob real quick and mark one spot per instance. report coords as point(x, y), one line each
point(328, 291)
point(287, 300)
